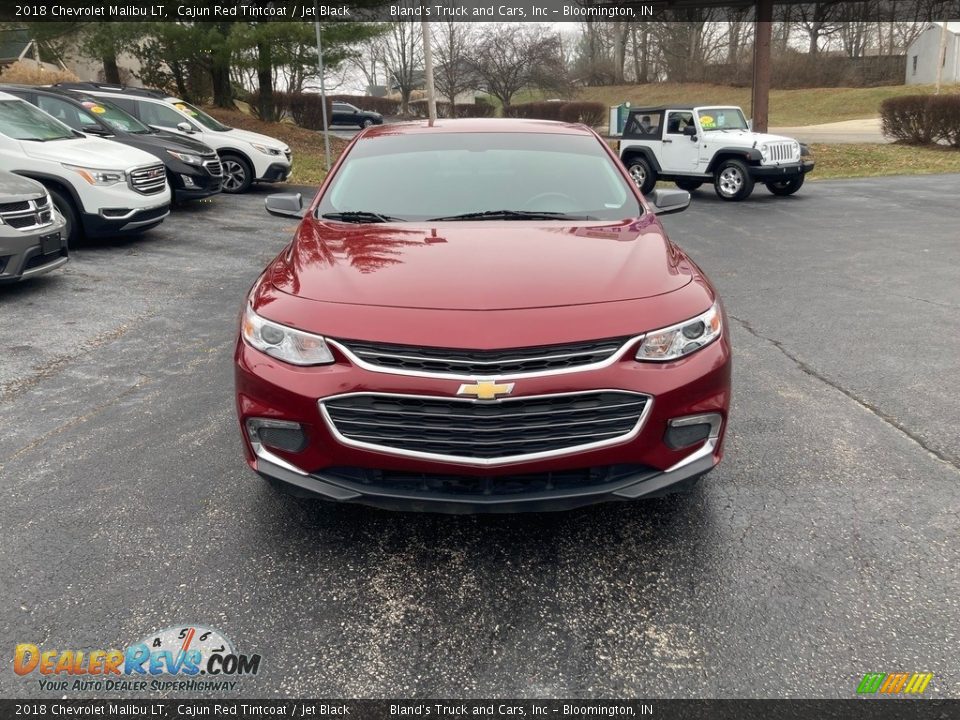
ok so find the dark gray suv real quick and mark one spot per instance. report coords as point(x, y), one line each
point(31, 230)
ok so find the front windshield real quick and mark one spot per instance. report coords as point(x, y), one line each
point(422, 176)
point(22, 121)
point(201, 117)
point(721, 119)
point(115, 117)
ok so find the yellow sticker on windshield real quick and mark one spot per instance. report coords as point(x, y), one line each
point(707, 121)
point(98, 109)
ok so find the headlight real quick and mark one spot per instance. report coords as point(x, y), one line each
point(95, 176)
point(187, 158)
point(764, 151)
point(266, 150)
point(679, 340)
point(293, 346)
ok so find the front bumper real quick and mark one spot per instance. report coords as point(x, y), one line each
point(25, 255)
point(642, 465)
point(276, 172)
point(123, 220)
point(768, 173)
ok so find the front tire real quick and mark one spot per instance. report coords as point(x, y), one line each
point(642, 173)
point(786, 187)
point(72, 230)
point(237, 174)
point(367, 122)
point(732, 181)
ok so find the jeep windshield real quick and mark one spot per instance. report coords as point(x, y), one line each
point(721, 119)
point(477, 176)
point(22, 121)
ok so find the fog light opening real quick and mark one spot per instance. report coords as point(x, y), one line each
point(277, 434)
point(686, 431)
point(188, 181)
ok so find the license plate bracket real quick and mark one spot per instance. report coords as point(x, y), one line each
point(50, 244)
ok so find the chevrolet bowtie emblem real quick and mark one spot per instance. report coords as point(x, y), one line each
point(486, 389)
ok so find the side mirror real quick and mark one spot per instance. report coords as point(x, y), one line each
point(666, 202)
point(285, 204)
point(690, 131)
point(186, 127)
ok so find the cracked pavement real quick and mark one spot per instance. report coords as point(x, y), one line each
point(823, 547)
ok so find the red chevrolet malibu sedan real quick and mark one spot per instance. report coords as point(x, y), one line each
point(482, 316)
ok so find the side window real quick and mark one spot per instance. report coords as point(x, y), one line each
point(644, 125)
point(158, 114)
point(129, 105)
point(677, 121)
point(64, 112)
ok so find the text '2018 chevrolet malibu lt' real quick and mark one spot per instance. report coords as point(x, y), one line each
point(482, 316)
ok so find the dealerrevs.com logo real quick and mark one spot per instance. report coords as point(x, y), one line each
point(900, 683)
point(188, 658)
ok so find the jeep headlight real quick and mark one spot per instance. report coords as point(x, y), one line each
point(677, 341)
point(765, 152)
point(284, 343)
point(96, 176)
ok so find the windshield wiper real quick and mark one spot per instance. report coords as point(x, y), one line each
point(360, 216)
point(513, 215)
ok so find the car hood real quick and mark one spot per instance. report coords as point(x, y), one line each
point(88, 152)
point(13, 187)
point(180, 143)
point(479, 265)
point(742, 138)
point(252, 137)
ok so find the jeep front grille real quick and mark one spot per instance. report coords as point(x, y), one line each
point(483, 363)
point(478, 432)
point(27, 214)
point(780, 152)
point(148, 180)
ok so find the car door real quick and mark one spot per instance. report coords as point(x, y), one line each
point(679, 153)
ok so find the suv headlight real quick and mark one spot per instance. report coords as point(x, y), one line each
point(96, 176)
point(187, 157)
point(677, 341)
point(266, 150)
point(284, 343)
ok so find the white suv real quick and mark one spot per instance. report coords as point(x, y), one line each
point(247, 157)
point(100, 187)
point(694, 145)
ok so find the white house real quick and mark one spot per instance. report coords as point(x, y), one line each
point(924, 53)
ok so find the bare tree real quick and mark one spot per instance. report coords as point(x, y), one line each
point(818, 21)
point(454, 74)
point(518, 57)
point(403, 57)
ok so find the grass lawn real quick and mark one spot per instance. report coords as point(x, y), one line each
point(787, 107)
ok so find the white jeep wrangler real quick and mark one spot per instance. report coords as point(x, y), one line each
point(694, 145)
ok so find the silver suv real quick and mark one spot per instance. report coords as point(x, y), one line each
point(32, 241)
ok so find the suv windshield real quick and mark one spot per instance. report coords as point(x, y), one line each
point(22, 121)
point(721, 119)
point(201, 117)
point(114, 117)
point(504, 175)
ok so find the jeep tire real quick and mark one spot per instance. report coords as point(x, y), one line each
point(786, 187)
point(641, 172)
point(732, 180)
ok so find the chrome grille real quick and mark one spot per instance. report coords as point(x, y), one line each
point(485, 432)
point(27, 214)
point(148, 180)
point(213, 167)
point(483, 363)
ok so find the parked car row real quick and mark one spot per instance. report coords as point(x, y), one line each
point(88, 159)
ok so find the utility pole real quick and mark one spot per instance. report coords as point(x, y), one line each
point(323, 89)
point(942, 55)
point(428, 68)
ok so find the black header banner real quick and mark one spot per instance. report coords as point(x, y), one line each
point(124, 709)
point(218, 11)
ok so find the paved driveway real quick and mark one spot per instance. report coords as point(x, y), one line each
point(824, 547)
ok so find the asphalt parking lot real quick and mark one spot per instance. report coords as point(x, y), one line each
point(824, 547)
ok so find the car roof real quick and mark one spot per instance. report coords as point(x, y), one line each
point(662, 108)
point(7, 96)
point(477, 125)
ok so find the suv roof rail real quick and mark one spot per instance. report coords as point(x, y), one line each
point(126, 90)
